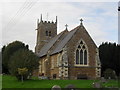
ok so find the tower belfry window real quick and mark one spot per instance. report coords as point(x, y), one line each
point(49, 33)
point(46, 33)
point(81, 54)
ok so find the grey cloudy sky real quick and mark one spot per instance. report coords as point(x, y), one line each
point(19, 19)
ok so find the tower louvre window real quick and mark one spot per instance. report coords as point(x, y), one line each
point(49, 33)
point(46, 33)
point(81, 54)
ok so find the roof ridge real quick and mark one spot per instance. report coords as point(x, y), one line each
point(63, 42)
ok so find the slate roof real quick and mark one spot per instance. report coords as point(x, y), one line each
point(60, 45)
point(63, 42)
point(57, 43)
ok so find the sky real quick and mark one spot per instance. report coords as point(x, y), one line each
point(19, 19)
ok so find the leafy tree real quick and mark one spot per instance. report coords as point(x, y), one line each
point(23, 59)
point(3, 66)
point(110, 57)
point(8, 51)
point(22, 72)
point(3, 48)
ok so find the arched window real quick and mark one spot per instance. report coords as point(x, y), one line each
point(46, 33)
point(82, 54)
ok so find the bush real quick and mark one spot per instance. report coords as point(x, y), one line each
point(109, 73)
point(23, 58)
point(8, 51)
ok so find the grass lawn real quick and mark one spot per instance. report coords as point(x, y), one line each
point(11, 82)
point(0, 82)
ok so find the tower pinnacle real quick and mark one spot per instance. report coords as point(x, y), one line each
point(56, 19)
point(37, 21)
point(41, 18)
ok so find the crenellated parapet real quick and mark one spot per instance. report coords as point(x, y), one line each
point(45, 31)
point(40, 21)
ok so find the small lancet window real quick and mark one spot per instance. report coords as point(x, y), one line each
point(49, 33)
point(46, 33)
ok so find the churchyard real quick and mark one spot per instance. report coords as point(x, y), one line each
point(11, 82)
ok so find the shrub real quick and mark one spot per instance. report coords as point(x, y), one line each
point(109, 73)
point(23, 58)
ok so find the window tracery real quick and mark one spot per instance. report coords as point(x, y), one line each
point(81, 54)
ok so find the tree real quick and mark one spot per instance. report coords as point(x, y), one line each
point(23, 59)
point(110, 57)
point(22, 72)
point(3, 65)
point(8, 51)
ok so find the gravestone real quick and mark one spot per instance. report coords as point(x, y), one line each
point(103, 80)
point(97, 85)
point(70, 87)
point(56, 87)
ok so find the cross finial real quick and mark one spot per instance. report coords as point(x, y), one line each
point(66, 26)
point(81, 21)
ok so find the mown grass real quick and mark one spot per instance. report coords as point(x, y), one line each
point(12, 82)
point(0, 82)
point(112, 83)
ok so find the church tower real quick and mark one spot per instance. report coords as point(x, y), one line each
point(45, 31)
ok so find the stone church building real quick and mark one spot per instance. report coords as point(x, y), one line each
point(67, 55)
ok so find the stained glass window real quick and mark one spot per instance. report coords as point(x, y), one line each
point(81, 54)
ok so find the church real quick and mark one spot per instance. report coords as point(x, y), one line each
point(68, 55)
